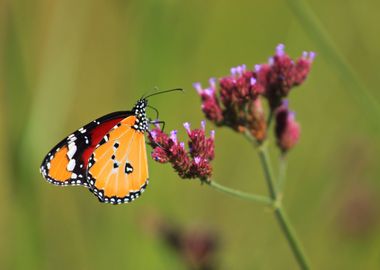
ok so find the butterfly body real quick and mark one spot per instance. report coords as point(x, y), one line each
point(107, 155)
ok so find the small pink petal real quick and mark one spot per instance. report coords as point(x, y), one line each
point(173, 136)
point(187, 127)
point(197, 160)
point(270, 61)
point(212, 82)
point(203, 124)
point(233, 71)
point(312, 55)
point(198, 87)
point(280, 49)
point(257, 68)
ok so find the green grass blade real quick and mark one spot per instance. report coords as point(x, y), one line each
point(327, 48)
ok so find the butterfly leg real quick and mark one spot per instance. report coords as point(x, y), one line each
point(158, 122)
point(153, 108)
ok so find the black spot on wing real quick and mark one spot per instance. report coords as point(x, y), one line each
point(128, 168)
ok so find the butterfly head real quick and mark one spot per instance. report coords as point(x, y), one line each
point(138, 110)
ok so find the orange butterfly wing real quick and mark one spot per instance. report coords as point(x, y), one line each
point(118, 168)
point(66, 163)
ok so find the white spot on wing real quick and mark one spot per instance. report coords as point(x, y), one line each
point(71, 165)
point(72, 150)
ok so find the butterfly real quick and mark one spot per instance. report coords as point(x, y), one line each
point(108, 156)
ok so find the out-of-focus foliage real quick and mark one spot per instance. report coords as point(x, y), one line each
point(64, 63)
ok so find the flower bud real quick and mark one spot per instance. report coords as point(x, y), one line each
point(287, 129)
point(257, 125)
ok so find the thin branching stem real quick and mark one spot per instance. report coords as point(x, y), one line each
point(282, 174)
point(290, 234)
point(240, 194)
point(266, 164)
point(279, 211)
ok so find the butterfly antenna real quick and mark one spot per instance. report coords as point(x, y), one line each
point(164, 91)
point(147, 93)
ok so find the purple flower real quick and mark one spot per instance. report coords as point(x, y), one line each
point(192, 163)
point(282, 74)
point(210, 103)
point(303, 66)
point(228, 106)
point(235, 100)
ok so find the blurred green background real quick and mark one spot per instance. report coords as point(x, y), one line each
point(64, 63)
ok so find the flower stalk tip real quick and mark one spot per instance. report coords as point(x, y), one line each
point(280, 49)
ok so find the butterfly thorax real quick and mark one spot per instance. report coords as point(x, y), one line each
point(141, 123)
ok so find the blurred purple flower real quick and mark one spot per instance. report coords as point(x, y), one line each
point(196, 246)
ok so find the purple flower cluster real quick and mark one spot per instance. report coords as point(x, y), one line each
point(237, 104)
point(236, 100)
point(192, 163)
point(282, 74)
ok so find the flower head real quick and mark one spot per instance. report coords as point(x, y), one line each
point(233, 105)
point(210, 102)
point(281, 74)
point(235, 100)
point(287, 129)
point(192, 163)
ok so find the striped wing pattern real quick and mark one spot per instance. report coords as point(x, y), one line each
point(66, 163)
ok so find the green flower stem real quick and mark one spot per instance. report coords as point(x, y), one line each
point(266, 164)
point(280, 214)
point(281, 174)
point(243, 195)
point(291, 236)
